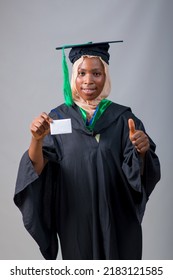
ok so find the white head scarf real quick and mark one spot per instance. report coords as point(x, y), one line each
point(90, 105)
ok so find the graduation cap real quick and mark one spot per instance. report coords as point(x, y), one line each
point(96, 49)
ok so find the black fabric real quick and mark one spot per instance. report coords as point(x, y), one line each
point(95, 50)
point(91, 194)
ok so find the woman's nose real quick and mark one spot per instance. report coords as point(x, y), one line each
point(88, 79)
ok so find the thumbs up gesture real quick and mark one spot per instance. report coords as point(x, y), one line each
point(138, 138)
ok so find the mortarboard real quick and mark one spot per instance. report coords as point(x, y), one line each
point(96, 49)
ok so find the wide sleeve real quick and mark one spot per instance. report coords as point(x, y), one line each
point(35, 196)
point(141, 185)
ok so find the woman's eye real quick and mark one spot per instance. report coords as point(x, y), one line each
point(81, 73)
point(97, 74)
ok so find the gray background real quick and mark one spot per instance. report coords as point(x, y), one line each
point(30, 82)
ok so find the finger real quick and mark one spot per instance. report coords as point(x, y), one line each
point(131, 126)
point(36, 128)
point(143, 146)
point(142, 143)
point(46, 117)
point(43, 123)
point(143, 150)
point(132, 130)
point(39, 126)
point(141, 138)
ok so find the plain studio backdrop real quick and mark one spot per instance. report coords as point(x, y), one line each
point(31, 82)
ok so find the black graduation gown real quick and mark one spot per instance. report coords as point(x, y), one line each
point(90, 193)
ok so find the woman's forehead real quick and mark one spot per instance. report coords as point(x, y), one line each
point(91, 62)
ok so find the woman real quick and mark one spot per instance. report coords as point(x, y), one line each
point(89, 187)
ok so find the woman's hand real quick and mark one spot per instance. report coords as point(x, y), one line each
point(138, 138)
point(40, 126)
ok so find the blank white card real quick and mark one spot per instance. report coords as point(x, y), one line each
point(60, 126)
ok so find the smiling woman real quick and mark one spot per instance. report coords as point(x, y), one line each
point(90, 82)
point(90, 187)
point(90, 79)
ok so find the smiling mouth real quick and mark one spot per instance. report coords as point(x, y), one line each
point(88, 90)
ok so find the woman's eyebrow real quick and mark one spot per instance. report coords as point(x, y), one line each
point(93, 69)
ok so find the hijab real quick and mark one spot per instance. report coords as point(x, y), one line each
point(89, 106)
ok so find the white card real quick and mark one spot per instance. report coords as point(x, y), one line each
point(60, 126)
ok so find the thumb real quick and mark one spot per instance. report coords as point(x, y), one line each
point(131, 127)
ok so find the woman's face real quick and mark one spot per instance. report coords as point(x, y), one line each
point(90, 78)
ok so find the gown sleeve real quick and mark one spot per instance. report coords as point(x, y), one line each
point(35, 197)
point(141, 185)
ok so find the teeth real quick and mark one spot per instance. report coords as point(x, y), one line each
point(88, 90)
